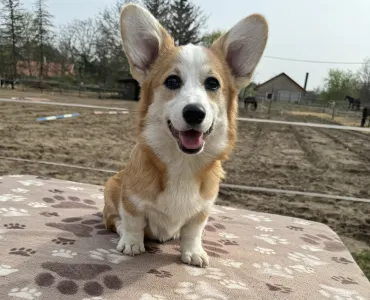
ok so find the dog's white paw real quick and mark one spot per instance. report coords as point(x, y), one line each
point(195, 256)
point(130, 247)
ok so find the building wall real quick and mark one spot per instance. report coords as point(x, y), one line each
point(283, 90)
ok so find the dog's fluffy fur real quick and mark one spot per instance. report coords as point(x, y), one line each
point(164, 193)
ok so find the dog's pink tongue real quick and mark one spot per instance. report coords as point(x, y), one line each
point(191, 139)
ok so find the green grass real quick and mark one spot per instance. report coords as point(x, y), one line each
point(363, 260)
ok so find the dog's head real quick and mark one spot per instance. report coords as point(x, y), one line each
point(189, 93)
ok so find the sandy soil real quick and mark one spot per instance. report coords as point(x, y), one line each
point(277, 156)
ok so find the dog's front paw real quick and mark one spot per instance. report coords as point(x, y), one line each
point(195, 256)
point(130, 247)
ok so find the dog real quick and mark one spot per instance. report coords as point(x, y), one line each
point(187, 127)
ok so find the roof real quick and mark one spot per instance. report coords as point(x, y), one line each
point(282, 74)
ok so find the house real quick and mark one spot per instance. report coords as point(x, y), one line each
point(281, 88)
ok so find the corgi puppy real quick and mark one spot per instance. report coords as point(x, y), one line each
point(187, 126)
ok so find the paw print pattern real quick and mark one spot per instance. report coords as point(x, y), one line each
point(213, 226)
point(339, 294)
point(160, 274)
point(226, 235)
point(75, 188)
point(235, 285)
point(97, 196)
point(272, 239)
point(231, 263)
point(295, 228)
point(11, 198)
point(25, 293)
point(301, 222)
point(302, 269)
point(229, 243)
point(22, 251)
point(257, 218)
point(213, 273)
point(14, 226)
point(311, 248)
point(274, 270)
point(200, 291)
point(112, 256)
point(31, 182)
point(70, 203)
point(342, 260)
point(279, 288)
point(63, 241)
point(344, 280)
point(55, 191)
point(37, 205)
point(13, 212)
point(20, 191)
point(64, 253)
point(49, 214)
point(265, 251)
point(308, 260)
point(90, 277)
point(264, 229)
point(6, 270)
point(325, 242)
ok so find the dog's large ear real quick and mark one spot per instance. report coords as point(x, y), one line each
point(143, 38)
point(242, 47)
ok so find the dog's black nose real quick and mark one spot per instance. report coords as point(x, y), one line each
point(194, 114)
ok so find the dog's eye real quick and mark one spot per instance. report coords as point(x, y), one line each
point(173, 82)
point(211, 84)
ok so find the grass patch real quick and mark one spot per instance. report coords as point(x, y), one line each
point(363, 260)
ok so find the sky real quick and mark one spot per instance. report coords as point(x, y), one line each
point(320, 30)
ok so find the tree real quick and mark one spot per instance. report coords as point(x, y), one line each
point(28, 40)
point(11, 16)
point(209, 38)
point(186, 23)
point(339, 84)
point(42, 28)
point(160, 9)
point(363, 76)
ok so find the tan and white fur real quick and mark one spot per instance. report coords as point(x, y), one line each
point(172, 178)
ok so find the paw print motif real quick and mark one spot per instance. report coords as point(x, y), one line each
point(257, 218)
point(152, 297)
point(274, 270)
point(344, 280)
point(75, 188)
point(70, 203)
point(325, 242)
point(302, 269)
point(37, 205)
point(200, 291)
point(64, 253)
point(13, 212)
point(6, 270)
point(264, 229)
point(301, 222)
point(22, 251)
point(308, 260)
point(25, 293)
point(279, 288)
point(63, 241)
point(339, 294)
point(160, 274)
point(265, 251)
point(68, 278)
point(49, 214)
point(55, 191)
point(31, 182)
point(20, 191)
point(226, 235)
point(11, 198)
point(97, 196)
point(112, 256)
point(14, 226)
point(272, 239)
point(213, 273)
point(231, 263)
point(311, 248)
point(295, 228)
point(229, 243)
point(342, 260)
point(235, 285)
point(213, 226)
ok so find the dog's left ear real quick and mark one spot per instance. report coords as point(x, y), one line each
point(242, 47)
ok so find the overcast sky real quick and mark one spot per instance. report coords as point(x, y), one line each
point(325, 30)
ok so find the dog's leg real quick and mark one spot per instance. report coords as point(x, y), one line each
point(192, 252)
point(131, 231)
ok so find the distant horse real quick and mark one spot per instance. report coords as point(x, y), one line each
point(365, 115)
point(353, 103)
point(252, 101)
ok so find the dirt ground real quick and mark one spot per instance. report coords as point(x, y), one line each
point(266, 155)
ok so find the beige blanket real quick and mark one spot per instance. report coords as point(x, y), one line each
point(53, 245)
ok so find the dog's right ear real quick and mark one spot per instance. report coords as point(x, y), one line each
point(143, 38)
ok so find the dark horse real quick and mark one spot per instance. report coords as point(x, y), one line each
point(353, 103)
point(365, 115)
point(252, 101)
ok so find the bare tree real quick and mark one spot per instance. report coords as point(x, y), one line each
point(27, 47)
point(160, 9)
point(364, 80)
point(11, 15)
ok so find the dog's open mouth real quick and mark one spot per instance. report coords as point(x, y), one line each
point(190, 141)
